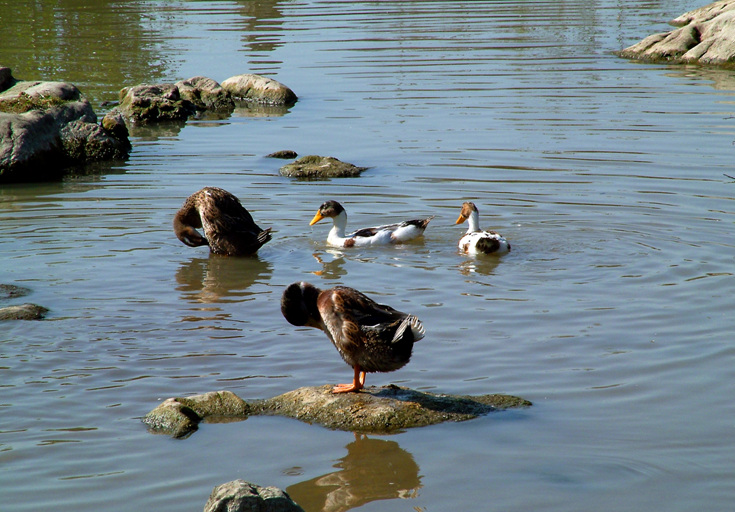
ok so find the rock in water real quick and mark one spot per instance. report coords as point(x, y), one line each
point(374, 410)
point(242, 496)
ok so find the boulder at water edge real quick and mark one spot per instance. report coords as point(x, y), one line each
point(705, 36)
point(46, 127)
point(378, 410)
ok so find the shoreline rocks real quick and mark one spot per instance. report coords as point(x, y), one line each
point(375, 410)
point(46, 127)
point(704, 36)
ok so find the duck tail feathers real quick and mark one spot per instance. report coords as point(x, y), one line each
point(264, 236)
point(413, 323)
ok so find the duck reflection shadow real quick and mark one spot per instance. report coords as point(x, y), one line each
point(373, 469)
point(484, 265)
point(219, 278)
point(333, 269)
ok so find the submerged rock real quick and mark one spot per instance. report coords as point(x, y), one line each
point(23, 312)
point(373, 410)
point(284, 153)
point(11, 291)
point(242, 496)
point(320, 167)
point(705, 36)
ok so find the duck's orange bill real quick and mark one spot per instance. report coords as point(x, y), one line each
point(461, 219)
point(316, 218)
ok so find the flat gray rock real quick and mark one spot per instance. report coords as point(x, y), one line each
point(377, 410)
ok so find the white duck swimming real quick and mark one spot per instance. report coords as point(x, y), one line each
point(387, 234)
point(476, 240)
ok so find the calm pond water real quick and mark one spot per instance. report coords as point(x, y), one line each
point(613, 313)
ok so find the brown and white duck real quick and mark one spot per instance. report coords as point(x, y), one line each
point(370, 337)
point(378, 235)
point(476, 240)
point(229, 228)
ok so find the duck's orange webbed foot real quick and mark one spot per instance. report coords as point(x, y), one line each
point(357, 383)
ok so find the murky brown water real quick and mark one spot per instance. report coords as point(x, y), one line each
point(613, 312)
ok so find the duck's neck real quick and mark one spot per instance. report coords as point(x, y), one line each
point(474, 222)
point(339, 227)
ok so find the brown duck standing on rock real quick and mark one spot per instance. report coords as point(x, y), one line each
point(370, 337)
point(229, 228)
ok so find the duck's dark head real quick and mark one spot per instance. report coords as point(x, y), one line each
point(328, 209)
point(298, 304)
point(187, 234)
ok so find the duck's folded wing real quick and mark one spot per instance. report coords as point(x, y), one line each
point(336, 310)
point(365, 232)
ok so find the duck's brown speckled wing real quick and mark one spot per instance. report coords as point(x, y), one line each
point(229, 227)
point(355, 322)
point(224, 212)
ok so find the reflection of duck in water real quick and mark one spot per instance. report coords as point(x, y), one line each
point(330, 269)
point(229, 228)
point(373, 469)
point(218, 280)
point(370, 337)
point(386, 234)
point(476, 240)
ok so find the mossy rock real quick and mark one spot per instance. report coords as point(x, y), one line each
point(378, 410)
point(320, 167)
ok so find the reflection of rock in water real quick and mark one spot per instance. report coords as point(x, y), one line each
point(373, 469)
point(214, 279)
point(333, 269)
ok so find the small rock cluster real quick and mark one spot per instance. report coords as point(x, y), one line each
point(48, 127)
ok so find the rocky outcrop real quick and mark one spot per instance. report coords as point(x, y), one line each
point(705, 36)
point(320, 167)
point(373, 410)
point(46, 127)
point(260, 89)
point(242, 496)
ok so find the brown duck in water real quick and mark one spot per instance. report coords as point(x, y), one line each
point(370, 337)
point(229, 228)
